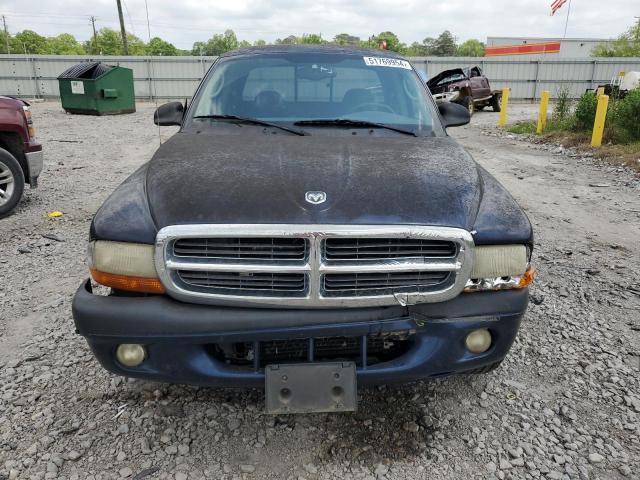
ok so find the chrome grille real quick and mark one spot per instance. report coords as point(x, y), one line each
point(349, 249)
point(313, 266)
point(222, 282)
point(336, 284)
point(241, 248)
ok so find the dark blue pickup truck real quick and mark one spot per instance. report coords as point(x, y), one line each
point(310, 228)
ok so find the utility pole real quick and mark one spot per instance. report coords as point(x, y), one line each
point(6, 33)
point(122, 30)
point(95, 37)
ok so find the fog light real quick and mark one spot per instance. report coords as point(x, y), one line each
point(478, 341)
point(131, 354)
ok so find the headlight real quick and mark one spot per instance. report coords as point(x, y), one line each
point(124, 266)
point(500, 267)
point(452, 96)
point(446, 96)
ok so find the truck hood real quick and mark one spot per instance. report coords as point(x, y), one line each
point(447, 77)
point(18, 102)
point(262, 178)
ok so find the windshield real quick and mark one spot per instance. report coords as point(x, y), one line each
point(286, 88)
point(454, 77)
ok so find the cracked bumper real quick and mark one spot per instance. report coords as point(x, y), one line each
point(178, 336)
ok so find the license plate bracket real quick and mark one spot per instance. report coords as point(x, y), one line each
point(311, 387)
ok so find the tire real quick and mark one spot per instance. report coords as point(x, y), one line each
point(11, 183)
point(467, 103)
point(495, 103)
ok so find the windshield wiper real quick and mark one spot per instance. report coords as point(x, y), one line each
point(254, 121)
point(353, 123)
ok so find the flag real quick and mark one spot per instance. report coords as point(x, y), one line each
point(555, 6)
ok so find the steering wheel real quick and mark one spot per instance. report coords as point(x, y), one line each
point(381, 107)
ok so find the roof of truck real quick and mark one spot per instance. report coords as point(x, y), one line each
point(313, 49)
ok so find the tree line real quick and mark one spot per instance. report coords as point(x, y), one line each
point(106, 42)
point(109, 42)
point(626, 45)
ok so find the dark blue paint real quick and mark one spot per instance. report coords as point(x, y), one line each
point(438, 350)
point(500, 220)
point(249, 175)
point(423, 181)
point(125, 215)
point(177, 334)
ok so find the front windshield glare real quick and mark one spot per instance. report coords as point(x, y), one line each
point(289, 88)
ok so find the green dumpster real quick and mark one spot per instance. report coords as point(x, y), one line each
point(94, 88)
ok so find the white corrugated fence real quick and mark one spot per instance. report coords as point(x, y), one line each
point(35, 76)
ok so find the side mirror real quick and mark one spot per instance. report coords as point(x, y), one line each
point(169, 114)
point(453, 114)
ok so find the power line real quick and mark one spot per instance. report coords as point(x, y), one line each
point(43, 15)
point(186, 26)
point(146, 7)
point(72, 23)
point(112, 21)
point(153, 75)
point(129, 15)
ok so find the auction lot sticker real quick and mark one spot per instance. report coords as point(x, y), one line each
point(386, 62)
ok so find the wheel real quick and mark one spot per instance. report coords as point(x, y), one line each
point(11, 183)
point(467, 103)
point(495, 103)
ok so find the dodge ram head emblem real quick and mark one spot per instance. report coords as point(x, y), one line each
point(315, 198)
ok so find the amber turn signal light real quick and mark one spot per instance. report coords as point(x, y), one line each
point(129, 283)
point(30, 130)
point(528, 278)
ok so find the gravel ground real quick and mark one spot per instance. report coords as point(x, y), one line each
point(565, 403)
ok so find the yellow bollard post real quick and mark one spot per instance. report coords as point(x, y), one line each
point(503, 107)
point(542, 114)
point(599, 91)
point(598, 124)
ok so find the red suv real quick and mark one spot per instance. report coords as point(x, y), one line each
point(468, 87)
point(21, 156)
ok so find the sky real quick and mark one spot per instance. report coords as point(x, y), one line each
point(187, 21)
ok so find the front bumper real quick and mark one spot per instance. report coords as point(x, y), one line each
point(35, 162)
point(447, 96)
point(178, 336)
